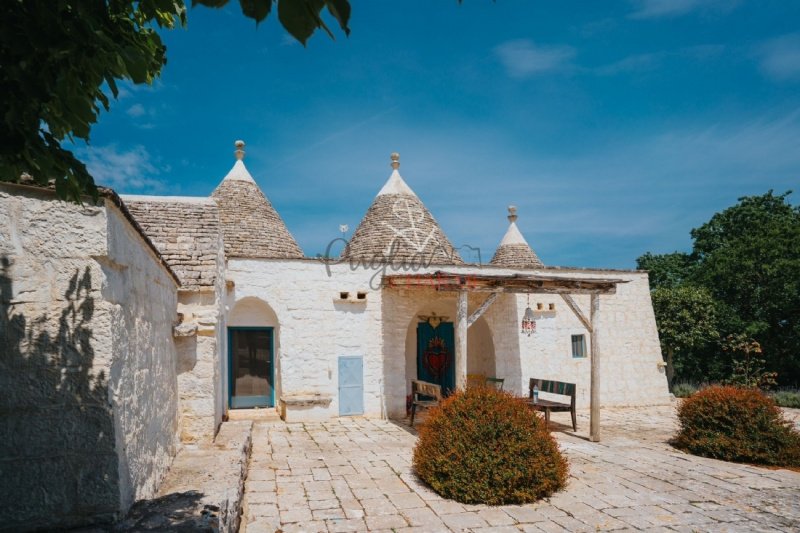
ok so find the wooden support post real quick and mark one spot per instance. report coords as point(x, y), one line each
point(594, 420)
point(461, 341)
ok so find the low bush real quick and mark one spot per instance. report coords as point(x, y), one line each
point(787, 398)
point(683, 390)
point(486, 446)
point(737, 424)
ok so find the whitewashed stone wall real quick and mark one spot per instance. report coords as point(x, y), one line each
point(87, 411)
point(316, 328)
point(199, 365)
point(140, 296)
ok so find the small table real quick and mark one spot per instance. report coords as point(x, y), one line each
point(547, 406)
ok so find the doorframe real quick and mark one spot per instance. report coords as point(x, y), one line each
point(271, 330)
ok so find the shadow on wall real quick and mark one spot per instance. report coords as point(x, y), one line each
point(57, 458)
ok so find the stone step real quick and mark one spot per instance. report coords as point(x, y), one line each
point(267, 414)
point(204, 488)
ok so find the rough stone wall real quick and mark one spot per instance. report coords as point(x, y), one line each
point(57, 452)
point(63, 403)
point(142, 302)
point(315, 329)
point(202, 373)
point(198, 365)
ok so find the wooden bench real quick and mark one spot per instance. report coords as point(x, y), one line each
point(548, 406)
point(424, 394)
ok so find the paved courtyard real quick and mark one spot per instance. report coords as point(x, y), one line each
point(354, 474)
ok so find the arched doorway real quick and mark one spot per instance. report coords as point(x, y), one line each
point(430, 351)
point(252, 354)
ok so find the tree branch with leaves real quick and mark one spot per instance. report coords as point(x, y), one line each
point(61, 62)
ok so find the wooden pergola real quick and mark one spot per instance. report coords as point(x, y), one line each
point(463, 284)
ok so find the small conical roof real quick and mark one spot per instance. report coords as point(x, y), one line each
point(250, 225)
point(514, 251)
point(399, 228)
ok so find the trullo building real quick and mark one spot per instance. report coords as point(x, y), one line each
point(136, 323)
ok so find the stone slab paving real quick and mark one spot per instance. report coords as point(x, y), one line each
point(354, 474)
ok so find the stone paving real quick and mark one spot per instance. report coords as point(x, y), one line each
point(354, 474)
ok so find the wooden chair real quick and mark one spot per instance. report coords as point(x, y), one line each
point(497, 383)
point(548, 406)
point(424, 394)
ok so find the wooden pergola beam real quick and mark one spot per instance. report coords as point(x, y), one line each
point(463, 284)
point(578, 313)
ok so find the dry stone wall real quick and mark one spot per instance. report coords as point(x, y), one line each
point(87, 420)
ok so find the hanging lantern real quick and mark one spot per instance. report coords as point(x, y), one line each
point(528, 320)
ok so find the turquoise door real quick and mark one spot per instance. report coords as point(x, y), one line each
point(436, 355)
point(251, 364)
point(351, 385)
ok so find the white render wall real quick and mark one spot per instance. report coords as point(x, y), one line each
point(315, 328)
point(141, 298)
point(87, 372)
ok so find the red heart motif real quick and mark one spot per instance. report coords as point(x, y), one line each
point(436, 359)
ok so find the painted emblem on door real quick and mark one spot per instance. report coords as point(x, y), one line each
point(436, 357)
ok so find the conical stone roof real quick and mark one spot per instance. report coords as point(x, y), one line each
point(251, 228)
point(514, 251)
point(398, 228)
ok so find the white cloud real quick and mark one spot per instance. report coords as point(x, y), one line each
point(780, 57)
point(136, 110)
point(647, 9)
point(522, 58)
point(123, 170)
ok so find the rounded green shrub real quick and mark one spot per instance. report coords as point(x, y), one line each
point(737, 424)
point(486, 446)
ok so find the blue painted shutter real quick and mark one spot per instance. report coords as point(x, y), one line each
point(351, 385)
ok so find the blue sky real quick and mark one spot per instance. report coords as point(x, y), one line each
point(614, 126)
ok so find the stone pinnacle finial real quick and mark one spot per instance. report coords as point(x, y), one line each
point(395, 160)
point(512, 213)
point(239, 150)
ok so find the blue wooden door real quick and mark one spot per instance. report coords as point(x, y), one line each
point(436, 355)
point(351, 385)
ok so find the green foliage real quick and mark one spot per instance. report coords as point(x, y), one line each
point(786, 398)
point(301, 18)
point(58, 57)
point(683, 390)
point(737, 424)
point(686, 320)
point(486, 446)
point(748, 367)
point(748, 259)
point(666, 270)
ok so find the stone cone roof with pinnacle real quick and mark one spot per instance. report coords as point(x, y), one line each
point(398, 228)
point(514, 251)
point(251, 228)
